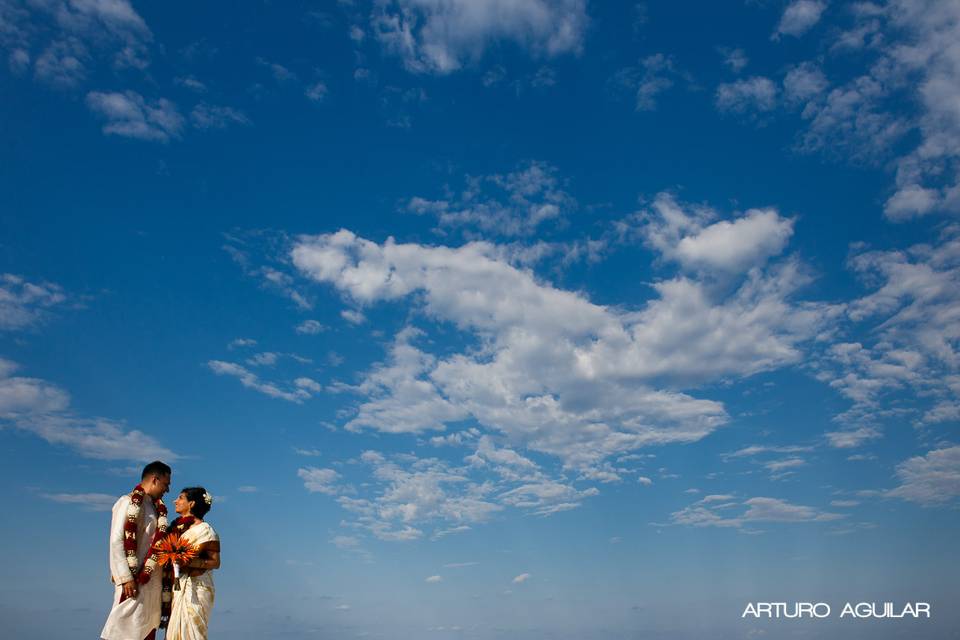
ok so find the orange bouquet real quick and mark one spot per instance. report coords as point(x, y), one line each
point(176, 551)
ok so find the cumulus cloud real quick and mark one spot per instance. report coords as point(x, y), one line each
point(130, 115)
point(408, 498)
point(911, 61)
point(71, 35)
point(24, 304)
point(556, 372)
point(520, 579)
point(804, 83)
point(750, 94)
point(799, 17)
point(910, 344)
point(319, 480)
point(694, 237)
point(441, 36)
point(931, 479)
point(310, 327)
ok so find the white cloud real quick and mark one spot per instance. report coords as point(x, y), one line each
point(71, 35)
point(42, 409)
point(725, 245)
point(316, 92)
point(19, 61)
point(933, 479)
point(844, 503)
point(252, 381)
point(408, 498)
point(434, 579)
point(757, 449)
point(23, 304)
point(909, 332)
point(750, 94)
point(63, 64)
point(726, 511)
point(353, 316)
point(515, 204)
point(310, 327)
point(309, 384)
point(192, 83)
point(129, 115)
point(208, 116)
point(779, 466)
point(653, 75)
point(99, 438)
point(804, 83)
point(520, 579)
point(911, 61)
point(400, 396)
point(241, 342)
point(345, 542)
point(440, 36)
point(557, 373)
point(851, 438)
point(25, 396)
point(86, 501)
point(799, 17)
point(279, 72)
point(735, 59)
point(319, 480)
point(263, 359)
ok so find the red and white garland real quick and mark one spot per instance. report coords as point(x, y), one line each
point(179, 527)
point(130, 535)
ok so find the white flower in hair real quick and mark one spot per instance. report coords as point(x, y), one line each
point(208, 498)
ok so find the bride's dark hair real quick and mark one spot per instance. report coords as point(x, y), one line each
point(195, 495)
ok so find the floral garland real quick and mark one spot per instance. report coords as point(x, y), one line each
point(179, 526)
point(142, 575)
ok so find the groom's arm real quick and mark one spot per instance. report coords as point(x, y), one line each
point(119, 568)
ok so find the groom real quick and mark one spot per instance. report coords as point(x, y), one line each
point(139, 519)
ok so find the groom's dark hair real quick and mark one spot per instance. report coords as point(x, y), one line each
point(155, 468)
point(200, 506)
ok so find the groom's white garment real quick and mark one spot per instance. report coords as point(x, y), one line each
point(134, 618)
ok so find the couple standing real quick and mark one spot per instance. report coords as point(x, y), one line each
point(147, 596)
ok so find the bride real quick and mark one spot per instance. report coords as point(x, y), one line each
point(193, 596)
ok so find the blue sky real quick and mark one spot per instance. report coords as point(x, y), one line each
point(487, 319)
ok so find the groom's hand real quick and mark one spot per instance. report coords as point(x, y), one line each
point(130, 589)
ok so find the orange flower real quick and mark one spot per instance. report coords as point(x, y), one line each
point(172, 549)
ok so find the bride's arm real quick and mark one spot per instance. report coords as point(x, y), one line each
point(208, 558)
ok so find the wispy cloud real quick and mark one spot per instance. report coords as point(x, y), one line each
point(41, 408)
point(297, 394)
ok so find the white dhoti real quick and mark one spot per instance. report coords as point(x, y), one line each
point(192, 603)
point(134, 618)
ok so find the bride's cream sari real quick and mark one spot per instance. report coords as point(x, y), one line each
point(190, 609)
